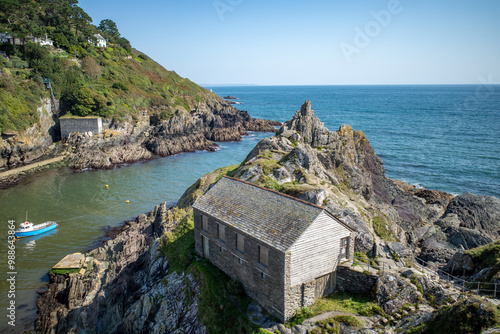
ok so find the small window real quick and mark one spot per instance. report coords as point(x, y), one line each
point(240, 243)
point(240, 260)
point(262, 275)
point(221, 250)
point(221, 232)
point(263, 255)
point(344, 248)
point(204, 223)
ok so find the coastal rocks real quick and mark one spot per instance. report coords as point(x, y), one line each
point(183, 132)
point(261, 125)
point(471, 220)
point(364, 239)
point(126, 288)
point(340, 170)
point(471, 315)
point(172, 314)
point(348, 155)
point(393, 291)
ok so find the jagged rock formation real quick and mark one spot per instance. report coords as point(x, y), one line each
point(184, 132)
point(338, 170)
point(127, 288)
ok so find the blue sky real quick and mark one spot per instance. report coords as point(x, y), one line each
point(330, 42)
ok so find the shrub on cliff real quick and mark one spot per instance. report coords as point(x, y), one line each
point(471, 315)
point(487, 256)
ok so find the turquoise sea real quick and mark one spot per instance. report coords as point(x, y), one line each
point(439, 137)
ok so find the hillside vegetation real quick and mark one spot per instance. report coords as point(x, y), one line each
point(113, 82)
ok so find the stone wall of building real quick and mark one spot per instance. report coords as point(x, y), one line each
point(298, 296)
point(82, 125)
point(354, 280)
point(261, 283)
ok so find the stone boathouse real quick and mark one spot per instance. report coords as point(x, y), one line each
point(283, 250)
point(80, 124)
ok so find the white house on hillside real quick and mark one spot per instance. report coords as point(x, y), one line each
point(101, 42)
point(7, 38)
point(4, 37)
point(43, 41)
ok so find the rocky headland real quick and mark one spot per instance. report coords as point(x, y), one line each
point(148, 278)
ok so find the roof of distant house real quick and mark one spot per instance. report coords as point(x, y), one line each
point(276, 219)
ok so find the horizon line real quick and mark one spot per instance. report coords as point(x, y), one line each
point(407, 84)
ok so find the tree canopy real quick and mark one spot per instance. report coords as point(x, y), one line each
point(109, 28)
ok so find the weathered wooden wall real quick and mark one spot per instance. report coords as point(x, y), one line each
point(316, 252)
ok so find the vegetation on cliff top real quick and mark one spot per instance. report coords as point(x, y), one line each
point(487, 256)
point(114, 82)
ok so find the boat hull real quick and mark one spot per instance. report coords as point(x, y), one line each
point(23, 234)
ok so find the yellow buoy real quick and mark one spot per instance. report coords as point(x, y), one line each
point(107, 187)
point(127, 201)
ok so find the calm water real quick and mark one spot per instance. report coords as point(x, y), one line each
point(440, 137)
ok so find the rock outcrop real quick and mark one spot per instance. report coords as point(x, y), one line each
point(393, 291)
point(125, 287)
point(23, 147)
point(128, 288)
point(471, 220)
point(183, 132)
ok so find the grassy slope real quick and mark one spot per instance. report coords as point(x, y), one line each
point(91, 81)
point(116, 82)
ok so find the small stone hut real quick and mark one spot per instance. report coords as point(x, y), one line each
point(283, 250)
point(80, 124)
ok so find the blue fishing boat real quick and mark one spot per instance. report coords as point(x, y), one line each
point(27, 229)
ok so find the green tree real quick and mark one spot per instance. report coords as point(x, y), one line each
point(109, 28)
point(20, 17)
point(82, 21)
point(124, 43)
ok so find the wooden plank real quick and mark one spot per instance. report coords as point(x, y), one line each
point(316, 252)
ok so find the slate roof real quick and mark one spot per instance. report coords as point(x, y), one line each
point(273, 218)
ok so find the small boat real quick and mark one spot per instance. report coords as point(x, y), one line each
point(27, 229)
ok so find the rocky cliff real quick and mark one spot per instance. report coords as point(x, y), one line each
point(23, 147)
point(183, 132)
point(125, 287)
